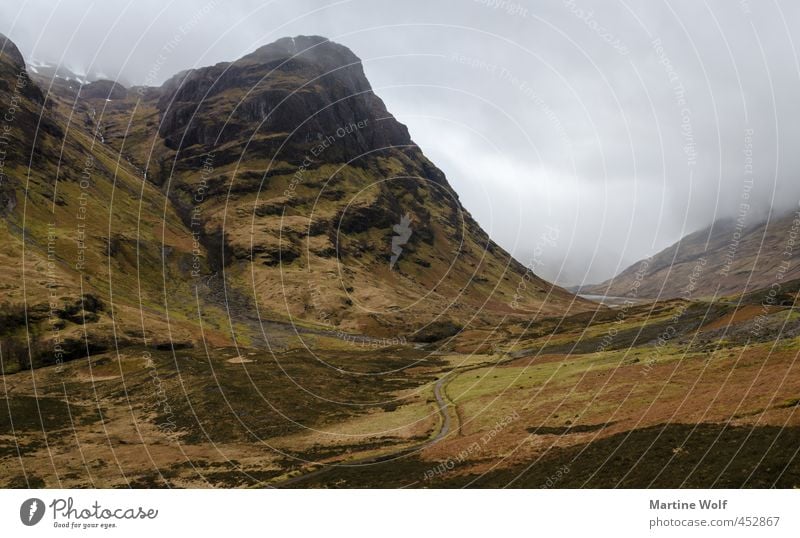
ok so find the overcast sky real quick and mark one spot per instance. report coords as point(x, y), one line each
point(622, 125)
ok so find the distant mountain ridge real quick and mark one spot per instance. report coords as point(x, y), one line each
point(727, 258)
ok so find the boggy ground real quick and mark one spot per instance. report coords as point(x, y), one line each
point(671, 394)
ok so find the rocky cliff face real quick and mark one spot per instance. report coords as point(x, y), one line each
point(303, 88)
point(11, 52)
point(23, 119)
point(304, 178)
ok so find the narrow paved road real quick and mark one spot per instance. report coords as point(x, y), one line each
point(442, 405)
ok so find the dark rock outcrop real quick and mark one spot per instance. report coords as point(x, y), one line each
point(309, 89)
point(10, 50)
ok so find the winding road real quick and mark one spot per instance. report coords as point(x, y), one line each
point(442, 404)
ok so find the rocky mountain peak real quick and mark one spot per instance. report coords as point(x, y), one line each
point(104, 89)
point(304, 87)
point(312, 49)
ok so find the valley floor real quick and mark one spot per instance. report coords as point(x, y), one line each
point(668, 394)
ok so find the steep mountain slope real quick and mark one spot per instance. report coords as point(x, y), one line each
point(313, 200)
point(82, 237)
point(726, 258)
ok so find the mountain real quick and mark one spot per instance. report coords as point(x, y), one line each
point(729, 257)
point(295, 177)
point(273, 188)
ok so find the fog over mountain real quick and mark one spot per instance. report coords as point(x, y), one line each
point(581, 135)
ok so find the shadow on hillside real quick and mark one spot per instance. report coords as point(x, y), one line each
point(664, 456)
